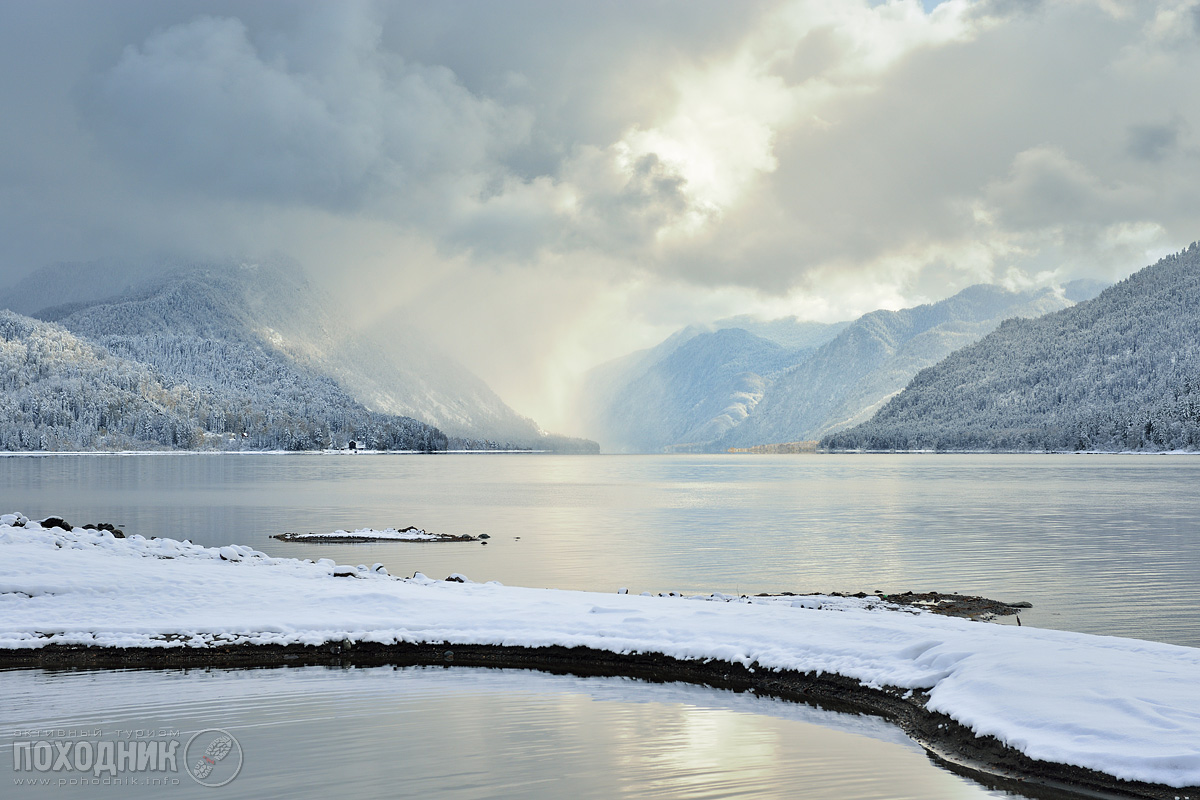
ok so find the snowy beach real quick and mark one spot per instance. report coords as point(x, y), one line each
point(1128, 709)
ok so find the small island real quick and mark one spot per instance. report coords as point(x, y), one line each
point(409, 534)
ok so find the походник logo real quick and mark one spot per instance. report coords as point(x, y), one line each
point(213, 757)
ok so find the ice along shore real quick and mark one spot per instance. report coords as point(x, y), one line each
point(1073, 713)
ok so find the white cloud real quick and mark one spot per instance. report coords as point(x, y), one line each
point(624, 171)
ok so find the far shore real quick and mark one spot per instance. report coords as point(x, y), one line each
point(757, 450)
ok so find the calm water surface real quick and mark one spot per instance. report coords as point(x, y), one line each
point(1100, 544)
point(471, 733)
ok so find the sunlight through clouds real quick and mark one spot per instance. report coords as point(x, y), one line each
point(622, 168)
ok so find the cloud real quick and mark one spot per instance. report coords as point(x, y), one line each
point(1154, 142)
point(327, 121)
point(1045, 189)
point(608, 161)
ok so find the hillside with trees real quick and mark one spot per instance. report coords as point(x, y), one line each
point(61, 392)
point(848, 379)
point(259, 333)
point(1118, 372)
point(749, 383)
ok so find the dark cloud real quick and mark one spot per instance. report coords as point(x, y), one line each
point(1007, 8)
point(1045, 188)
point(328, 121)
point(1153, 142)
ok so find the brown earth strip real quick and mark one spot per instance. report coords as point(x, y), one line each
point(949, 605)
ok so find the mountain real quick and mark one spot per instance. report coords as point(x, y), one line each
point(743, 382)
point(59, 391)
point(791, 332)
point(1083, 289)
point(261, 327)
point(73, 283)
point(1119, 372)
point(690, 389)
point(848, 379)
point(695, 393)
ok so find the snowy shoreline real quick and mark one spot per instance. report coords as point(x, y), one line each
point(1055, 707)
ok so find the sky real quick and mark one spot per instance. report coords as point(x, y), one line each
point(546, 185)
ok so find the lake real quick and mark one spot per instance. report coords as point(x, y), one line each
point(1099, 544)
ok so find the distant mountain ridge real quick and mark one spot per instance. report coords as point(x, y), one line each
point(845, 381)
point(711, 390)
point(233, 328)
point(697, 392)
point(692, 388)
point(1117, 372)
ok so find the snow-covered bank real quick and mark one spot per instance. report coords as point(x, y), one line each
point(1127, 708)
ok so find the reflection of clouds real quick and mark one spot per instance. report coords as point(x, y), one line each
point(501, 725)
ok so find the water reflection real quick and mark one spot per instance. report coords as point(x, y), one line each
point(462, 733)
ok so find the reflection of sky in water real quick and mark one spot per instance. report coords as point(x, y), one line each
point(1102, 544)
point(467, 733)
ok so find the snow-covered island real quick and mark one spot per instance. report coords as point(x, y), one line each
point(1076, 711)
point(409, 534)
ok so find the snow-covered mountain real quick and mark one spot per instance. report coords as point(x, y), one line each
point(260, 326)
point(714, 389)
point(59, 391)
point(692, 388)
point(848, 379)
point(695, 393)
point(1121, 371)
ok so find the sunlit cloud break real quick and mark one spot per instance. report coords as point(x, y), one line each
point(627, 168)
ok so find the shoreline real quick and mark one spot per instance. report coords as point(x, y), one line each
point(733, 452)
point(948, 743)
point(1028, 702)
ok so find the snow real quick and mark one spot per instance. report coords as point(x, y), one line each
point(1125, 707)
point(409, 534)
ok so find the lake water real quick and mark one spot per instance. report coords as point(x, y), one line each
point(451, 734)
point(1100, 544)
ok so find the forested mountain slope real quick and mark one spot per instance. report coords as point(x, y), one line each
point(240, 326)
point(848, 379)
point(709, 390)
point(61, 392)
point(1121, 371)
